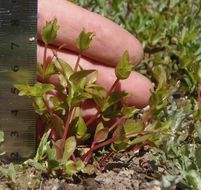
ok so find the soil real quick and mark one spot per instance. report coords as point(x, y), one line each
point(130, 171)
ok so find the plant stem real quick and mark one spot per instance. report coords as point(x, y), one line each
point(77, 62)
point(102, 144)
point(112, 87)
point(116, 123)
point(47, 105)
point(70, 116)
point(88, 155)
point(74, 158)
point(45, 57)
point(93, 118)
point(95, 147)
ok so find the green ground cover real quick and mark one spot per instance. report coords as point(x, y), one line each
point(170, 32)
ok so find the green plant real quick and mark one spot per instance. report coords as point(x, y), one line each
point(69, 141)
point(170, 32)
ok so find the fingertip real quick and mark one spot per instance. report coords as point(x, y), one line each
point(140, 89)
point(136, 52)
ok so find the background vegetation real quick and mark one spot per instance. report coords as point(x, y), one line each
point(170, 31)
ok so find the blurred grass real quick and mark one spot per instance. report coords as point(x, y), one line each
point(170, 31)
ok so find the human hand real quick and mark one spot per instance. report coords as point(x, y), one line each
point(107, 47)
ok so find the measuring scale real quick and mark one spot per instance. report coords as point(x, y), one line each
point(18, 29)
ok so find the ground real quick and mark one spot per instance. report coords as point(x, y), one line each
point(130, 171)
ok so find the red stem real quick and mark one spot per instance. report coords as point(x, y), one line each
point(74, 158)
point(116, 123)
point(88, 155)
point(113, 86)
point(68, 121)
point(77, 62)
point(93, 118)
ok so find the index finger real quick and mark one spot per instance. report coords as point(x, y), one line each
point(109, 43)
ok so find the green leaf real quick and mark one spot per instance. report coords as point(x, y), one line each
point(198, 129)
point(99, 127)
point(38, 89)
point(124, 67)
point(57, 104)
point(35, 164)
point(50, 70)
point(45, 73)
point(63, 67)
point(140, 139)
point(128, 112)
point(39, 105)
point(79, 165)
point(69, 148)
point(53, 164)
point(89, 169)
point(97, 92)
point(42, 148)
point(80, 128)
point(9, 172)
point(119, 135)
point(194, 179)
point(160, 75)
point(198, 156)
point(119, 147)
point(114, 98)
point(101, 133)
point(132, 127)
point(70, 168)
point(49, 32)
point(79, 75)
point(84, 40)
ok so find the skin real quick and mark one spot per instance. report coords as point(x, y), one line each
point(107, 47)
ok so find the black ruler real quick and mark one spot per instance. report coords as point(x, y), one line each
point(18, 32)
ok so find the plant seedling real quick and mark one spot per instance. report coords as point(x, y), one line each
point(69, 143)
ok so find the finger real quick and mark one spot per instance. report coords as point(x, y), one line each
point(137, 85)
point(110, 41)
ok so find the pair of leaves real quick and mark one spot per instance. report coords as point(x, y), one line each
point(113, 99)
point(124, 67)
point(49, 32)
point(37, 90)
point(84, 40)
point(45, 73)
